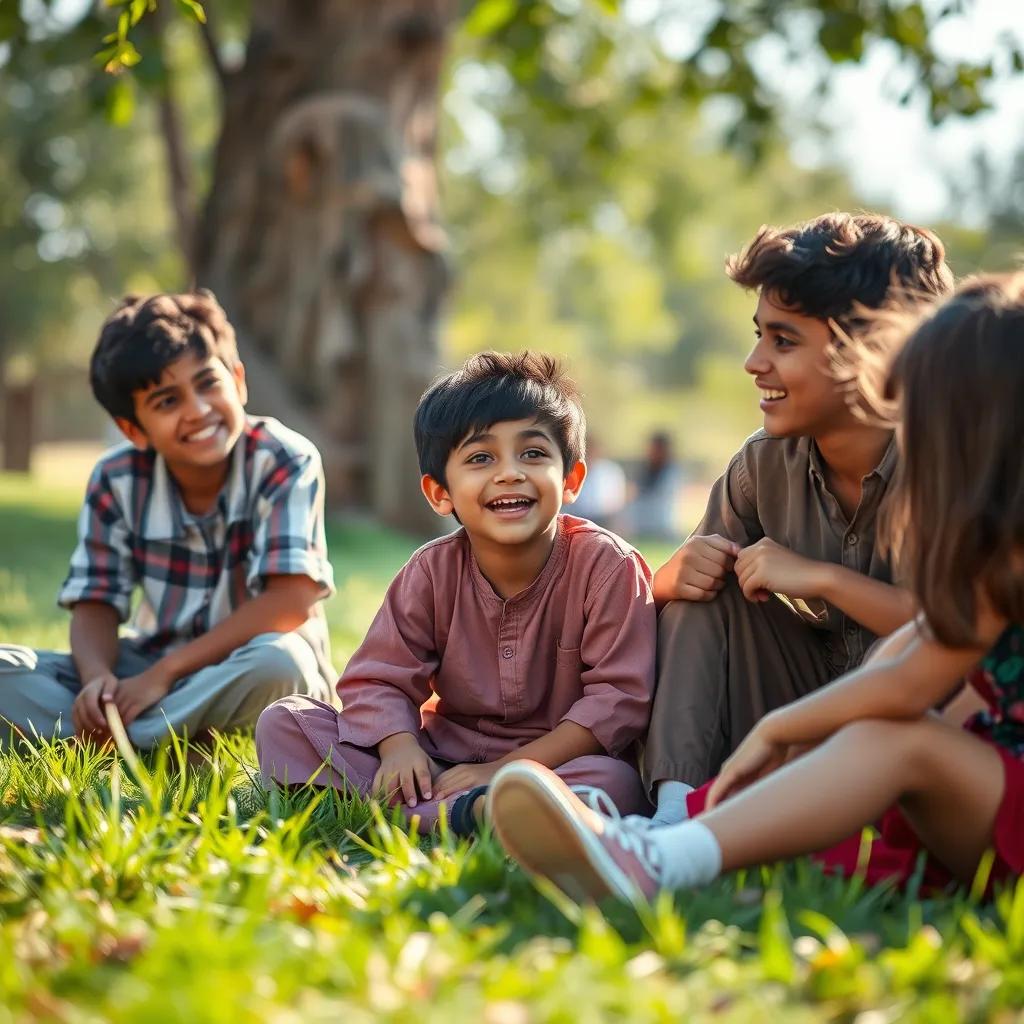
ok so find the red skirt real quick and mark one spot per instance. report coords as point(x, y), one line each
point(893, 855)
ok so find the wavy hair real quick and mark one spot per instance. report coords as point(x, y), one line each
point(954, 519)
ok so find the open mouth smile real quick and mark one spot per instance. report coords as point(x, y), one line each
point(204, 434)
point(770, 395)
point(511, 506)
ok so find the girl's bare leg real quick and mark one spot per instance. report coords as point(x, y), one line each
point(948, 782)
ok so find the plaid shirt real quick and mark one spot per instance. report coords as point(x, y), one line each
point(194, 571)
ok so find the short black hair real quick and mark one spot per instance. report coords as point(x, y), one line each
point(145, 334)
point(828, 266)
point(493, 387)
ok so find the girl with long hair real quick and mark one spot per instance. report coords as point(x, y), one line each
point(868, 748)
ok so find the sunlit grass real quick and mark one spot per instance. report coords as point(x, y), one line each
point(200, 896)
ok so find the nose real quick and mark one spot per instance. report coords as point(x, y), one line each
point(508, 469)
point(197, 405)
point(757, 362)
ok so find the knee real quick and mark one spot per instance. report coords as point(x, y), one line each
point(677, 616)
point(909, 740)
point(275, 724)
point(15, 658)
point(282, 666)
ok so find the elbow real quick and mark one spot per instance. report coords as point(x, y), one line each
point(292, 612)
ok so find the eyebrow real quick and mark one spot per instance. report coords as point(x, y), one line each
point(523, 435)
point(169, 389)
point(777, 326)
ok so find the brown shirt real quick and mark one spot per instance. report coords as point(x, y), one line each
point(775, 487)
point(482, 675)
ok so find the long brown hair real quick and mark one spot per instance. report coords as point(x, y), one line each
point(955, 516)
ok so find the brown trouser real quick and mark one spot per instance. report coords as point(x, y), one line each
point(722, 665)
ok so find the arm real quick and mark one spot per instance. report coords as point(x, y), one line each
point(98, 590)
point(617, 650)
point(766, 567)
point(880, 607)
point(288, 573)
point(93, 638)
point(901, 686)
point(909, 674)
point(284, 605)
point(94, 652)
point(566, 741)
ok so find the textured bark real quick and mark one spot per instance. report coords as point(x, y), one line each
point(321, 233)
point(19, 403)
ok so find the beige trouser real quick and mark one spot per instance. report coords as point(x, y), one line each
point(722, 665)
point(37, 689)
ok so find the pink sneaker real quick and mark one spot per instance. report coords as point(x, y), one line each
point(590, 853)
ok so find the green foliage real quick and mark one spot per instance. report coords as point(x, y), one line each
point(189, 892)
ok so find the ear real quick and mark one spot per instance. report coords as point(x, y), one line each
point(238, 372)
point(133, 432)
point(437, 495)
point(574, 482)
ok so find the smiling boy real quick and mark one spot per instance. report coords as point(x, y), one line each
point(781, 587)
point(213, 517)
point(524, 634)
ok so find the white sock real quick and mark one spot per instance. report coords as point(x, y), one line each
point(690, 854)
point(671, 803)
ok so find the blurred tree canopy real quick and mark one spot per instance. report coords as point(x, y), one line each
point(284, 153)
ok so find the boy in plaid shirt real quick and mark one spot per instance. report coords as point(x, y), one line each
point(215, 517)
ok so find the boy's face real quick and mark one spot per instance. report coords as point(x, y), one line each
point(193, 415)
point(790, 365)
point(506, 483)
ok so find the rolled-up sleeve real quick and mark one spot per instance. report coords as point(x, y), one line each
point(289, 538)
point(618, 651)
point(102, 568)
point(389, 677)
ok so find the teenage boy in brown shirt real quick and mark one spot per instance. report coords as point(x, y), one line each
point(781, 587)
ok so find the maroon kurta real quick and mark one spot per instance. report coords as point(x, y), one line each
point(577, 645)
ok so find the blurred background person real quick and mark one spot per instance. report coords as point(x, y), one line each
point(652, 512)
point(604, 491)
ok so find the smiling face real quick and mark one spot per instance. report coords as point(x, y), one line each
point(193, 415)
point(506, 483)
point(790, 366)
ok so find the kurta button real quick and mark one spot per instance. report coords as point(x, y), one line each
point(851, 538)
point(851, 630)
point(507, 652)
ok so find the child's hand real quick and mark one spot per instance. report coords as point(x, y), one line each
point(767, 568)
point(406, 771)
point(135, 694)
point(758, 755)
point(697, 571)
point(463, 777)
point(87, 711)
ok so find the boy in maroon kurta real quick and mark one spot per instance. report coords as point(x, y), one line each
point(525, 634)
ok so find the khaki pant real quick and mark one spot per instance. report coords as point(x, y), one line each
point(722, 665)
point(37, 689)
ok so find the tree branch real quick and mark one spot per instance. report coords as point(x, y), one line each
point(179, 171)
point(210, 41)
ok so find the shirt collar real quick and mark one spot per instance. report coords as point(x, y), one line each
point(554, 564)
point(884, 470)
point(164, 516)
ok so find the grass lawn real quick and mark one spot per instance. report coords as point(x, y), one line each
point(189, 894)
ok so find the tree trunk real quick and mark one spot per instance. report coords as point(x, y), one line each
point(321, 234)
point(19, 402)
